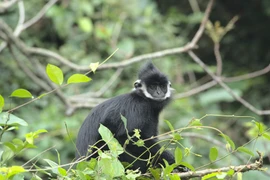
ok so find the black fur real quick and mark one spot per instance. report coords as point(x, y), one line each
point(141, 113)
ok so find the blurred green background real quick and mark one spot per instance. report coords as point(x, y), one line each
point(89, 31)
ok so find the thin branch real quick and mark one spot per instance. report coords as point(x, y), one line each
point(108, 84)
point(210, 84)
point(39, 15)
point(201, 29)
point(195, 90)
point(21, 25)
point(4, 6)
point(247, 76)
point(227, 88)
point(218, 59)
point(29, 72)
point(43, 52)
point(21, 18)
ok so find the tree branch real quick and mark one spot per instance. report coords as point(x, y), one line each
point(227, 88)
point(242, 168)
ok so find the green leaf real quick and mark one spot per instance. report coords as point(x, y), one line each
point(178, 155)
point(187, 165)
point(266, 135)
point(62, 171)
point(53, 165)
point(85, 24)
point(21, 93)
point(229, 141)
point(107, 136)
point(195, 122)
point(261, 127)
point(30, 137)
point(10, 146)
point(245, 150)
point(139, 143)
point(215, 174)
point(230, 172)
point(239, 176)
point(11, 171)
point(174, 177)
point(2, 103)
point(124, 119)
point(169, 125)
point(11, 120)
point(177, 136)
point(111, 167)
point(55, 74)
point(155, 173)
point(213, 154)
point(94, 66)
point(78, 78)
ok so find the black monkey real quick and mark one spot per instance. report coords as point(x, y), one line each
point(141, 107)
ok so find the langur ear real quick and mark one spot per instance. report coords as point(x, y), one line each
point(137, 84)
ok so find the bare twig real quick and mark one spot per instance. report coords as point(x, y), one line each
point(218, 59)
point(196, 90)
point(4, 6)
point(210, 84)
point(29, 72)
point(43, 52)
point(21, 25)
point(247, 76)
point(227, 88)
point(39, 15)
point(21, 18)
point(203, 24)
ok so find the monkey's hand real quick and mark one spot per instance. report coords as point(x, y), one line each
point(181, 168)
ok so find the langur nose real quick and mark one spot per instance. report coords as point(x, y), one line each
point(158, 90)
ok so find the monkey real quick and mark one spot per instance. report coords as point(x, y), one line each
point(141, 107)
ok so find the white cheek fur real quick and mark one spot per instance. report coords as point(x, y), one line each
point(148, 95)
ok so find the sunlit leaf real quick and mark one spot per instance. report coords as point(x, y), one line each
point(94, 66)
point(62, 171)
point(111, 167)
point(2, 103)
point(11, 120)
point(11, 171)
point(213, 154)
point(178, 155)
point(124, 119)
point(239, 176)
point(245, 150)
point(85, 24)
point(78, 78)
point(189, 166)
point(177, 136)
point(139, 143)
point(195, 122)
point(266, 135)
point(155, 173)
point(229, 141)
point(55, 74)
point(169, 125)
point(107, 136)
point(21, 93)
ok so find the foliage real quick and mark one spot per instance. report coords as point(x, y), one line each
point(88, 31)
